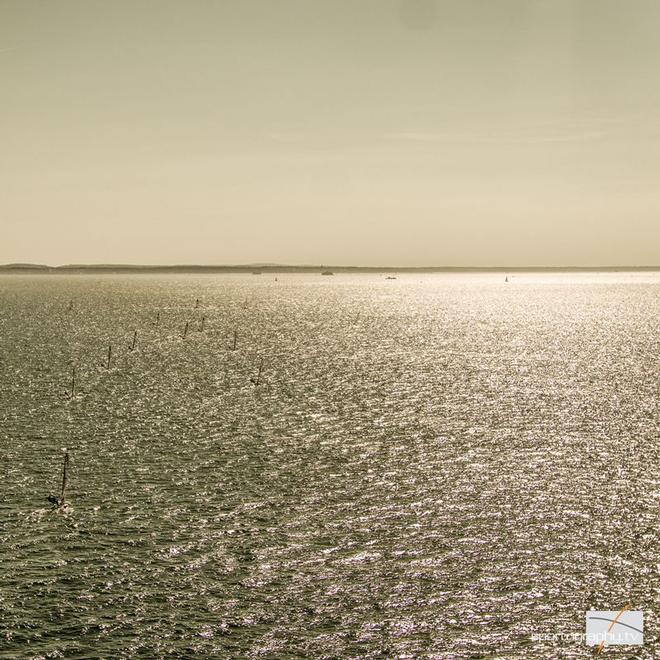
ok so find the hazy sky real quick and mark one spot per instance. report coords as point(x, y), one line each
point(413, 132)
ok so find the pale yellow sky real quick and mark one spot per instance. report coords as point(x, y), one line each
point(375, 132)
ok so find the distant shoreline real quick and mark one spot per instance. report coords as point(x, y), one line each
point(283, 268)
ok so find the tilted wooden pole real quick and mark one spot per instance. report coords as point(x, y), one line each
point(72, 393)
point(257, 380)
point(65, 476)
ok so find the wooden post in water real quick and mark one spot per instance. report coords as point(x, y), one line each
point(65, 476)
point(233, 348)
point(197, 303)
point(107, 366)
point(60, 501)
point(132, 346)
point(185, 330)
point(257, 380)
point(72, 393)
point(157, 323)
point(201, 326)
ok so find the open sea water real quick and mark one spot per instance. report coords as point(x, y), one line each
point(437, 466)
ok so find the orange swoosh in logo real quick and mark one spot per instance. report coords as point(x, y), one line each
point(602, 644)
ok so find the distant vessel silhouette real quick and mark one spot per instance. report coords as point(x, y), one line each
point(327, 272)
point(390, 277)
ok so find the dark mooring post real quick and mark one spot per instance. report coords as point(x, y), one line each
point(185, 330)
point(257, 380)
point(233, 348)
point(132, 346)
point(107, 364)
point(65, 476)
point(196, 303)
point(157, 322)
point(60, 501)
point(72, 393)
point(201, 325)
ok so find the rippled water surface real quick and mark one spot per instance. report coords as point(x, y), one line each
point(435, 466)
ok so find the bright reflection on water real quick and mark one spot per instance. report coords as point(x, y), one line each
point(437, 466)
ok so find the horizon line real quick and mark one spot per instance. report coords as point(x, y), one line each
point(274, 267)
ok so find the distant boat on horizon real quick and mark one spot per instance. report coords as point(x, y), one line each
point(327, 272)
point(390, 277)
